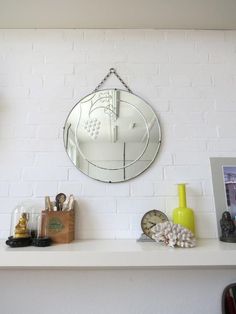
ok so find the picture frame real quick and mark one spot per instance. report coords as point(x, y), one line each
point(223, 170)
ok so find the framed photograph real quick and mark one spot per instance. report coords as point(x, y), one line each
point(223, 171)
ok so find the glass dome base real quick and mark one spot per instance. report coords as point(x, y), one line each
point(19, 242)
point(42, 242)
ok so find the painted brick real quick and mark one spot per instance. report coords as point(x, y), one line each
point(12, 68)
point(220, 56)
point(220, 145)
point(45, 188)
point(21, 189)
point(135, 223)
point(106, 56)
point(220, 119)
point(42, 174)
point(19, 158)
point(54, 81)
point(153, 173)
point(170, 188)
point(15, 92)
point(118, 189)
point(228, 131)
point(25, 131)
point(4, 234)
point(193, 117)
point(8, 204)
point(97, 234)
point(188, 55)
point(76, 175)
point(94, 189)
point(54, 68)
point(190, 131)
point(4, 187)
point(161, 105)
point(27, 80)
point(35, 145)
point(206, 37)
point(142, 188)
point(148, 56)
point(127, 234)
point(191, 105)
point(139, 68)
point(140, 205)
point(52, 158)
point(13, 36)
point(66, 57)
point(29, 58)
point(5, 221)
point(49, 92)
point(76, 80)
point(17, 46)
point(70, 188)
point(191, 158)
point(225, 105)
point(188, 77)
point(96, 205)
point(53, 44)
point(6, 132)
point(155, 79)
point(193, 145)
point(185, 173)
point(9, 173)
point(46, 118)
point(180, 80)
point(47, 131)
point(207, 187)
point(105, 221)
point(206, 225)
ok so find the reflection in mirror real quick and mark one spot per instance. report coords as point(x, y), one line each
point(112, 135)
point(229, 299)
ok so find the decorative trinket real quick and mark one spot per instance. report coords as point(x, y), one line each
point(60, 199)
point(173, 235)
point(20, 228)
point(227, 228)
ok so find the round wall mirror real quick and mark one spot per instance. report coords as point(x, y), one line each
point(112, 135)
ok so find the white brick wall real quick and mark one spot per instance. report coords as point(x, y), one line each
point(189, 78)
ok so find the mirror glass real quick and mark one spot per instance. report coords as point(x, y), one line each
point(229, 299)
point(112, 135)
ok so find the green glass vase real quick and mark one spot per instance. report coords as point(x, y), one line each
point(183, 215)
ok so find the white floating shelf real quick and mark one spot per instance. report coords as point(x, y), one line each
point(119, 254)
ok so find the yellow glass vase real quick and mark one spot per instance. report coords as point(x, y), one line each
point(183, 215)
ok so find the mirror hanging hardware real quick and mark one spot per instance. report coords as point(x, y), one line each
point(112, 71)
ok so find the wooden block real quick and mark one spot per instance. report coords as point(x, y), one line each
point(59, 225)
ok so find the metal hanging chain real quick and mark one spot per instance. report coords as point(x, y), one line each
point(112, 71)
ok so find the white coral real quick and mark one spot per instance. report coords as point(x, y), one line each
point(173, 235)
